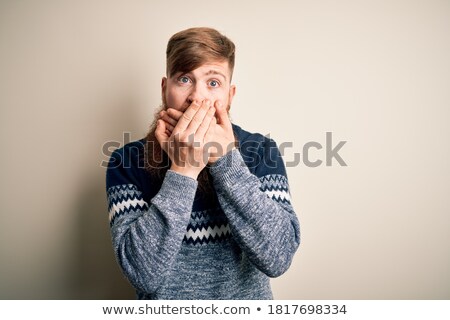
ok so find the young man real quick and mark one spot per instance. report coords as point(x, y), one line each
point(200, 208)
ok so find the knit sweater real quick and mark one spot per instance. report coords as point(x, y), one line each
point(171, 245)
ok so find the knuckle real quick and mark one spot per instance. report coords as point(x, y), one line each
point(182, 137)
point(187, 117)
point(197, 121)
point(178, 137)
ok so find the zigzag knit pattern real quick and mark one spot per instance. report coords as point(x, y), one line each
point(123, 199)
point(276, 187)
point(204, 226)
point(207, 226)
point(212, 226)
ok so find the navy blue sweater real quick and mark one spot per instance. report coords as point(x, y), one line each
point(171, 244)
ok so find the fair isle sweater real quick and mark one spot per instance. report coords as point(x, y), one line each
point(170, 245)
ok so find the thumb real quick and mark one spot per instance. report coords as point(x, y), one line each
point(222, 114)
point(160, 132)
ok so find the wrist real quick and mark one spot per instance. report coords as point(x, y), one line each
point(185, 171)
point(214, 156)
point(229, 169)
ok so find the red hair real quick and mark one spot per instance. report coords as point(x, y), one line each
point(189, 49)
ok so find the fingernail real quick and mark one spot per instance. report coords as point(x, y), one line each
point(208, 103)
point(219, 104)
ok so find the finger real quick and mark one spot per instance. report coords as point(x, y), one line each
point(169, 126)
point(165, 116)
point(209, 135)
point(160, 132)
point(222, 114)
point(187, 117)
point(174, 113)
point(204, 126)
point(197, 120)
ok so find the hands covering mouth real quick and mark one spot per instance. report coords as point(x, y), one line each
point(200, 135)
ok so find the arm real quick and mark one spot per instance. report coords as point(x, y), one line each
point(261, 217)
point(259, 211)
point(147, 237)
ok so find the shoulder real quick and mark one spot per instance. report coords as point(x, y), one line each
point(128, 155)
point(126, 164)
point(245, 137)
point(258, 151)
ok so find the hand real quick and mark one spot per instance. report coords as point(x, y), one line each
point(185, 144)
point(222, 134)
point(171, 117)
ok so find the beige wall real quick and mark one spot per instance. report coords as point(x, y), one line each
point(76, 74)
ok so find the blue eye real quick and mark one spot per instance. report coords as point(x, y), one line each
point(183, 79)
point(214, 83)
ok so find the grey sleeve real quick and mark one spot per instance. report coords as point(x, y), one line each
point(264, 224)
point(147, 237)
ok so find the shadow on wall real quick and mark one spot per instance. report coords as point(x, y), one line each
point(97, 274)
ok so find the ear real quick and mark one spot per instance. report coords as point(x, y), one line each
point(163, 90)
point(231, 94)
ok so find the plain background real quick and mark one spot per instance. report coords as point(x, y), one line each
point(77, 74)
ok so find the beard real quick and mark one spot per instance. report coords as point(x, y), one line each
point(157, 162)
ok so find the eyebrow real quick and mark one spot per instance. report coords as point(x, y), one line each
point(210, 72)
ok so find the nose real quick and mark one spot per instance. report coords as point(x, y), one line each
point(197, 94)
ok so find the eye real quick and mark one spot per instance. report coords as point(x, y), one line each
point(214, 83)
point(183, 79)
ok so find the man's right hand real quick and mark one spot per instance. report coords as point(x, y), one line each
point(185, 143)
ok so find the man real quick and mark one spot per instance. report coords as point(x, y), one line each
point(200, 208)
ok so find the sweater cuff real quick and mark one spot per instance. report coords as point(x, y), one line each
point(178, 188)
point(229, 169)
